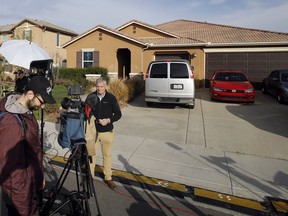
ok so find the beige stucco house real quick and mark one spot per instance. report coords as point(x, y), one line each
point(46, 35)
point(128, 49)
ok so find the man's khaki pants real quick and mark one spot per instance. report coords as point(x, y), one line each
point(105, 139)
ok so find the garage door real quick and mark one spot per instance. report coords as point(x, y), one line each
point(257, 65)
point(182, 55)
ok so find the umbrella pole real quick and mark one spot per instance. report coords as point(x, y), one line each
point(40, 198)
point(42, 129)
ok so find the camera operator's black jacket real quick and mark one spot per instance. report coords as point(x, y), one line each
point(108, 107)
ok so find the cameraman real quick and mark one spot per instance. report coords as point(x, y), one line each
point(104, 111)
point(21, 164)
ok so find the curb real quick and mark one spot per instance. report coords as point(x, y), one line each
point(271, 206)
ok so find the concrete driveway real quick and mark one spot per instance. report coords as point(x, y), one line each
point(232, 148)
point(259, 129)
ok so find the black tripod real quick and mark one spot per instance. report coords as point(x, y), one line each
point(76, 202)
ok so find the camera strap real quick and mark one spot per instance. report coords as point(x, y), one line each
point(20, 119)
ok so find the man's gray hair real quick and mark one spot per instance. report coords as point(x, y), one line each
point(100, 80)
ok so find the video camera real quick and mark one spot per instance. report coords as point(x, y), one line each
point(74, 102)
point(72, 119)
point(68, 103)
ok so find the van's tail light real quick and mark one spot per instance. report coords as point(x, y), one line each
point(191, 74)
point(147, 73)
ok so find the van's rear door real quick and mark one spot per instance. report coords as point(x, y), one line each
point(157, 86)
point(181, 82)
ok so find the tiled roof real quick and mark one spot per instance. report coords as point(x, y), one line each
point(153, 41)
point(192, 33)
point(145, 25)
point(43, 23)
point(40, 23)
point(7, 28)
point(221, 34)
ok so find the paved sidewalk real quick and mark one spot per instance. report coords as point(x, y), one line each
point(196, 152)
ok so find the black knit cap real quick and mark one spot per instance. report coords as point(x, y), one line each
point(40, 85)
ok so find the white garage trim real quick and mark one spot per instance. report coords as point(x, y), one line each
point(260, 49)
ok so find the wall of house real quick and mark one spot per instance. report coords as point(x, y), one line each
point(45, 39)
point(8, 36)
point(49, 43)
point(140, 57)
point(107, 44)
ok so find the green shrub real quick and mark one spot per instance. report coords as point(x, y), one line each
point(77, 75)
point(98, 70)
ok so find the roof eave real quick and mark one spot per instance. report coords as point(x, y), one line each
point(6, 32)
point(208, 44)
point(44, 27)
point(105, 29)
point(60, 31)
point(147, 26)
point(177, 45)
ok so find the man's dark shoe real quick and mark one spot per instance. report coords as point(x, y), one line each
point(111, 184)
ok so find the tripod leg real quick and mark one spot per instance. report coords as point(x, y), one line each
point(60, 207)
point(89, 179)
point(84, 190)
point(56, 189)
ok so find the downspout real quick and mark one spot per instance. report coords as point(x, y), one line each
point(143, 49)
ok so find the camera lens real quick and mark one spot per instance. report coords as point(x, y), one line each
point(65, 103)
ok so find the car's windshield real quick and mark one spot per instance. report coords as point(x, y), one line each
point(284, 77)
point(226, 76)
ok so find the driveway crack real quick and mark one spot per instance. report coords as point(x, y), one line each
point(229, 174)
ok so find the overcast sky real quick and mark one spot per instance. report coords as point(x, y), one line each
point(82, 15)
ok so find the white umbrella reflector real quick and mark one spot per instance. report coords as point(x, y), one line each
point(22, 52)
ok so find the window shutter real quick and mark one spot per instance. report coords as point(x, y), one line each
point(30, 35)
point(79, 59)
point(96, 59)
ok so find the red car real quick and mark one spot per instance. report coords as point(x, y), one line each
point(231, 85)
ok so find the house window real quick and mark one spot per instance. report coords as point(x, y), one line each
point(4, 37)
point(27, 34)
point(58, 39)
point(87, 59)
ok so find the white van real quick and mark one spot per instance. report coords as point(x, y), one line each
point(170, 81)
